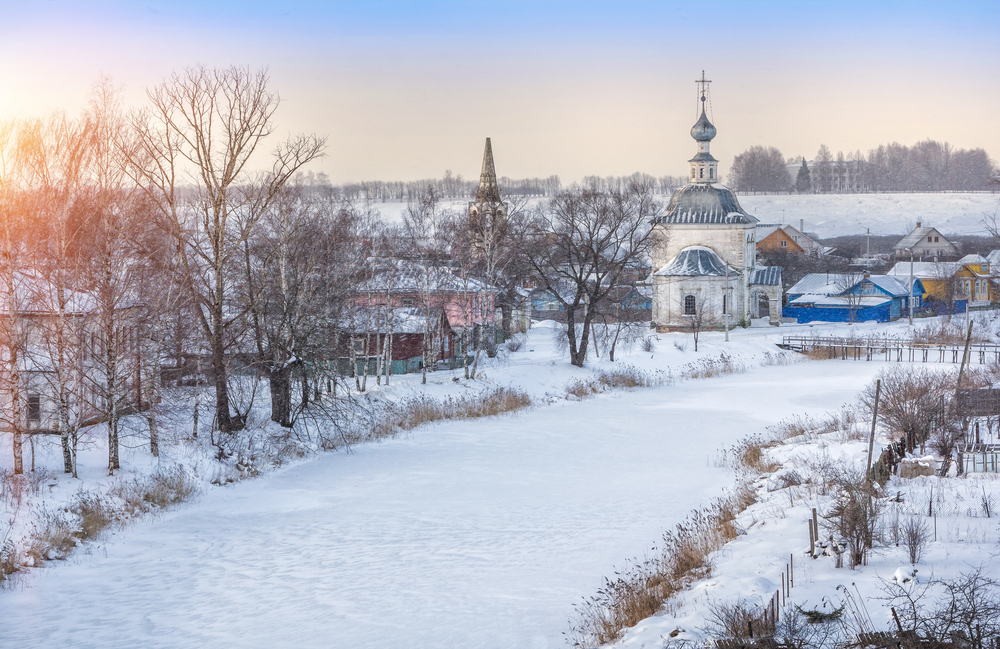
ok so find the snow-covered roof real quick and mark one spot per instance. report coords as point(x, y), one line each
point(926, 269)
point(766, 276)
point(890, 285)
point(695, 261)
point(704, 203)
point(403, 320)
point(821, 284)
point(840, 300)
point(919, 235)
point(974, 259)
point(993, 257)
point(36, 295)
point(404, 276)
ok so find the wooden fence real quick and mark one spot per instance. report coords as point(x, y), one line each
point(892, 350)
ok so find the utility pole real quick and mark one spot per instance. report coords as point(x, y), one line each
point(911, 287)
point(869, 252)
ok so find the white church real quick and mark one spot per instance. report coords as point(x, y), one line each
point(704, 252)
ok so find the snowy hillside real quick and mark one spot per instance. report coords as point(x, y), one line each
point(831, 215)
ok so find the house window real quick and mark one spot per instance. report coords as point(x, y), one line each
point(407, 302)
point(34, 408)
point(784, 243)
point(359, 346)
point(689, 305)
point(930, 239)
point(937, 239)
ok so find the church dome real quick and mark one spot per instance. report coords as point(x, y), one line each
point(704, 203)
point(703, 130)
point(695, 261)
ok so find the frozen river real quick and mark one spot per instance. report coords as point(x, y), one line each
point(473, 534)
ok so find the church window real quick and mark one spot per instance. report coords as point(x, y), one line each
point(701, 172)
point(725, 305)
point(711, 172)
point(689, 307)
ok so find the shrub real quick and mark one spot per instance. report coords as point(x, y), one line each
point(915, 536)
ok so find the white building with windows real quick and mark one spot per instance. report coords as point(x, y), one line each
point(704, 252)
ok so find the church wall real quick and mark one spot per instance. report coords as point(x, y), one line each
point(668, 303)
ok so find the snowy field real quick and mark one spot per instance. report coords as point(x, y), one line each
point(832, 215)
point(462, 534)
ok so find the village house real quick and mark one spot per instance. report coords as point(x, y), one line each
point(60, 353)
point(924, 242)
point(851, 297)
point(953, 285)
point(391, 340)
point(776, 237)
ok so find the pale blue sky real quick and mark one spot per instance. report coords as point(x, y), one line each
point(408, 89)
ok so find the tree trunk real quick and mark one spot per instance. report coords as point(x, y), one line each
point(506, 318)
point(281, 396)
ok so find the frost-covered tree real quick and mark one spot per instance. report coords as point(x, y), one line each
point(760, 169)
point(583, 243)
point(193, 155)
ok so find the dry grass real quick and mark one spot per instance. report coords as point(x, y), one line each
point(626, 377)
point(392, 418)
point(642, 587)
point(750, 454)
point(54, 534)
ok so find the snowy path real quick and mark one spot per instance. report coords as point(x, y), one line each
point(461, 535)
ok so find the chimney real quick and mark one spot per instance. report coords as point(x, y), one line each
point(867, 275)
point(918, 224)
point(802, 225)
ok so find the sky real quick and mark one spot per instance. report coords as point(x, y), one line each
point(408, 90)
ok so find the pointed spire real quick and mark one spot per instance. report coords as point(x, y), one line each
point(489, 191)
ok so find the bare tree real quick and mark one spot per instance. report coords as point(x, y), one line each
point(583, 242)
point(56, 153)
point(13, 333)
point(204, 127)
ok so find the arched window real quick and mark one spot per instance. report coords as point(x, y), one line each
point(689, 305)
point(701, 172)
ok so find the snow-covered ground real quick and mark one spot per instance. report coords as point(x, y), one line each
point(831, 215)
point(461, 534)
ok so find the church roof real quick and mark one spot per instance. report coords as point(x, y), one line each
point(695, 261)
point(704, 203)
point(489, 191)
point(765, 276)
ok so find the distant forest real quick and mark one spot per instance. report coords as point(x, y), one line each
point(451, 186)
point(927, 166)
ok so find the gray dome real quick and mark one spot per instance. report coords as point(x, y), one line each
point(704, 203)
point(695, 261)
point(703, 131)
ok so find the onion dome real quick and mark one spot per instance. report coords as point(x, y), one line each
point(703, 130)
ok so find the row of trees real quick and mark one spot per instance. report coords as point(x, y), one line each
point(457, 187)
point(925, 166)
point(138, 246)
